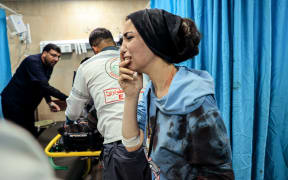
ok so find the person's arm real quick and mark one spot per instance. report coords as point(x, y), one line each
point(47, 99)
point(53, 106)
point(130, 128)
point(40, 78)
point(50, 91)
point(75, 105)
point(131, 85)
point(78, 98)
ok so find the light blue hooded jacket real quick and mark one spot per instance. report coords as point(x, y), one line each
point(190, 138)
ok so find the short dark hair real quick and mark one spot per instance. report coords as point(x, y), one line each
point(100, 34)
point(50, 46)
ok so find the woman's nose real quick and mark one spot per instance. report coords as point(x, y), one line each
point(122, 49)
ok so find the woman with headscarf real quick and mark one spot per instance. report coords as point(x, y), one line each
point(177, 121)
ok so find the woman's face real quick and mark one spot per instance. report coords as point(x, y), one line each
point(134, 49)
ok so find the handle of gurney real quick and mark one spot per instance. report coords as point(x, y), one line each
point(67, 154)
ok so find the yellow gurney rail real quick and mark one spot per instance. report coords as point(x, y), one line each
point(67, 154)
point(51, 155)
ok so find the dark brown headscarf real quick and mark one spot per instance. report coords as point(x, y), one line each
point(159, 29)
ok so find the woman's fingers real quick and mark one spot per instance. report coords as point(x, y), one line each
point(125, 72)
point(124, 63)
point(124, 77)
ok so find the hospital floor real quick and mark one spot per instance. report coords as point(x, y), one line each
point(75, 165)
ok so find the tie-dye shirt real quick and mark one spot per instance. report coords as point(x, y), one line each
point(190, 139)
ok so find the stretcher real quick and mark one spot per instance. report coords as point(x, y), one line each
point(54, 150)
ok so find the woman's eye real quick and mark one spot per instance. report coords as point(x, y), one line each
point(129, 37)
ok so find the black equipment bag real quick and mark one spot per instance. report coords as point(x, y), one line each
point(79, 137)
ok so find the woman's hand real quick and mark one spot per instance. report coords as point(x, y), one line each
point(130, 81)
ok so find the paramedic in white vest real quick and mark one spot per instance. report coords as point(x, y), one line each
point(97, 78)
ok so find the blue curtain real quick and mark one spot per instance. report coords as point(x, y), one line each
point(244, 47)
point(5, 67)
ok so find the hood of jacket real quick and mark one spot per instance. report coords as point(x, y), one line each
point(185, 91)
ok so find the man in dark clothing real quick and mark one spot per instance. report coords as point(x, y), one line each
point(29, 85)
